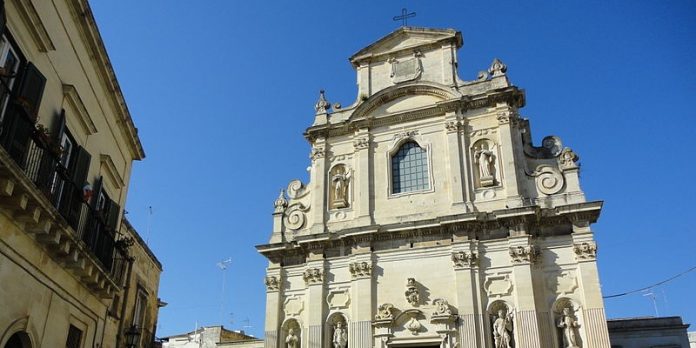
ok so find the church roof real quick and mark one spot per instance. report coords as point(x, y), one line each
point(406, 38)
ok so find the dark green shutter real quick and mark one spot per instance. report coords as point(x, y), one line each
point(112, 217)
point(31, 89)
point(58, 128)
point(78, 176)
point(3, 19)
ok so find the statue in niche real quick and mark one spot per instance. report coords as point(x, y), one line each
point(502, 330)
point(340, 336)
point(412, 294)
point(569, 325)
point(292, 341)
point(340, 178)
point(485, 159)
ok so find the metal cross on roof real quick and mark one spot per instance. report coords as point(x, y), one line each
point(404, 16)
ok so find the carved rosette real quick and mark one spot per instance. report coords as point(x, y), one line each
point(361, 143)
point(585, 251)
point(360, 270)
point(272, 283)
point(524, 254)
point(463, 259)
point(313, 276)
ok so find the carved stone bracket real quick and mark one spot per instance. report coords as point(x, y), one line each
point(360, 270)
point(585, 251)
point(524, 254)
point(272, 283)
point(313, 276)
point(464, 259)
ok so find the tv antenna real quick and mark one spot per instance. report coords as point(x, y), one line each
point(223, 265)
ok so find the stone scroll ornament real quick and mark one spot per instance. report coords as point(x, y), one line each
point(549, 180)
point(295, 213)
point(569, 325)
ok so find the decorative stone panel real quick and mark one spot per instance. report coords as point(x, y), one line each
point(524, 254)
point(360, 269)
point(585, 251)
point(313, 276)
point(272, 283)
point(464, 259)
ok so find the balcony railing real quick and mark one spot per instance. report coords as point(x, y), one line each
point(39, 158)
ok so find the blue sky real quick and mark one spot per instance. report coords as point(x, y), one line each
point(222, 90)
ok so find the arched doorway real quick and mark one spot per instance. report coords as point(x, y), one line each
point(18, 340)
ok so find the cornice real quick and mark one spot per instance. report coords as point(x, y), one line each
point(477, 225)
point(82, 15)
point(361, 118)
point(35, 26)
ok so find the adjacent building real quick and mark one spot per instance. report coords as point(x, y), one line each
point(72, 272)
point(431, 219)
point(648, 332)
point(211, 337)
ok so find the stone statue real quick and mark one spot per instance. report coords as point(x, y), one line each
point(340, 336)
point(569, 326)
point(485, 158)
point(502, 330)
point(340, 187)
point(292, 340)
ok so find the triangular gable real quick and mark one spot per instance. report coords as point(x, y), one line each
point(406, 38)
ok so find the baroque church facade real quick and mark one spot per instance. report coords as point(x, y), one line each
point(430, 219)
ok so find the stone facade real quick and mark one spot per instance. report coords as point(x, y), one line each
point(430, 218)
point(67, 144)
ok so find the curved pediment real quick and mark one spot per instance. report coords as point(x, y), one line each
point(402, 98)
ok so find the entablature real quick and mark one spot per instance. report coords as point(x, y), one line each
point(504, 223)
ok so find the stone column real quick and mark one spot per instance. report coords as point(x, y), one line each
point(273, 305)
point(523, 255)
point(511, 163)
point(318, 185)
point(360, 328)
point(595, 326)
point(316, 300)
point(454, 149)
point(469, 306)
point(362, 190)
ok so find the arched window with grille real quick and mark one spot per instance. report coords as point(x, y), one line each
point(409, 169)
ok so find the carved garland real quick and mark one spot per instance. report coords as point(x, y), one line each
point(464, 259)
point(272, 283)
point(585, 251)
point(360, 269)
point(313, 276)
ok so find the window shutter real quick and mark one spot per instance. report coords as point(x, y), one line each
point(112, 217)
point(58, 128)
point(79, 178)
point(31, 89)
point(96, 192)
point(3, 19)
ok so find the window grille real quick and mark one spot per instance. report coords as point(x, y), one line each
point(410, 169)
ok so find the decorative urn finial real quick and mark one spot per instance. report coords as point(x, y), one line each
point(497, 68)
point(280, 203)
point(322, 106)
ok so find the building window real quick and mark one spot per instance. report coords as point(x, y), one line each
point(74, 338)
point(409, 168)
point(139, 313)
point(9, 67)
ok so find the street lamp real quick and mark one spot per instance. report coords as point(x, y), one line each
point(132, 336)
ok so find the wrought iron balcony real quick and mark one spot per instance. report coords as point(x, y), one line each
point(36, 189)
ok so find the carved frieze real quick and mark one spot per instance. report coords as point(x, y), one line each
point(360, 269)
point(272, 283)
point(464, 259)
point(585, 250)
point(524, 254)
point(313, 276)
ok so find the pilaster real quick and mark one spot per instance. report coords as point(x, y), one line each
point(360, 328)
point(314, 277)
point(523, 256)
point(453, 128)
point(465, 263)
point(585, 250)
point(512, 165)
point(361, 144)
point(318, 185)
point(273, 283)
